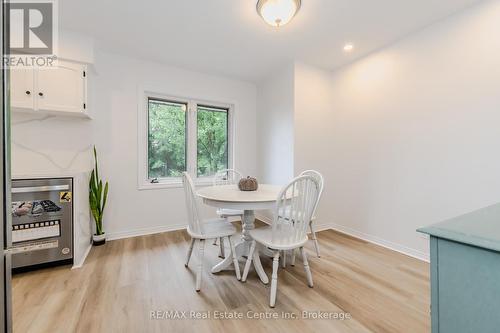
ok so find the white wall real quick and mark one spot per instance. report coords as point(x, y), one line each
point(58, 144)
point(410, 136)
point(313, 131)
point(75, 46)
point(275, 130)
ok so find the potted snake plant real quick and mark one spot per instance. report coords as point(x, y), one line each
point(97, 201)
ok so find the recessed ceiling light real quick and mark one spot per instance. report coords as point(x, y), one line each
point(348, 47)
point(277, 12)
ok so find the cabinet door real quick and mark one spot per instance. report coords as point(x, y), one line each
point(61, 89)
point(468, 288)
point(21, 88)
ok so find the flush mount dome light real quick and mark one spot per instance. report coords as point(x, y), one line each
point(277, 12)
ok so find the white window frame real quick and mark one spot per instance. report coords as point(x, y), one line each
point(144, 183)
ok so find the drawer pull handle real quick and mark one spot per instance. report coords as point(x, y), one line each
point(39, 188)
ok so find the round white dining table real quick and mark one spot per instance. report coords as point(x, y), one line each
point(229, 196)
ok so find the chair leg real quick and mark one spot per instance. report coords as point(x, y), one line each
point(293, 257)
point(274, 279)
point(200, 265)
point(215, 242)
point(222, 252)
point(283, 259)
point(249, 262)
point(307, 268)
point(315, 239)
point(190, 251)
point(235, 260)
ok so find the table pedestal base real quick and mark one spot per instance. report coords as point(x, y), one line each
point(242, 248)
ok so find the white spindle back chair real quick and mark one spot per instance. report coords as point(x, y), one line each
point(192, 207)
point(292, 213)
point(319, 178)
point(293, 210)
point(201, 230)
point(227, 177)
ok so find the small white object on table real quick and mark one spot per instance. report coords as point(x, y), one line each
point(229, 196)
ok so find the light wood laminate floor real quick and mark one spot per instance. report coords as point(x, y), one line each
point(123, 281)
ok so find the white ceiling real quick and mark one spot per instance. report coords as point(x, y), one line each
point(227, 37)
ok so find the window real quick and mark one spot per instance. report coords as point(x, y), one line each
point(166, 138)
point(212, 140)
point(177, 135)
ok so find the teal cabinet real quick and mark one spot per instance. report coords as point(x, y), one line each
point(465, 273)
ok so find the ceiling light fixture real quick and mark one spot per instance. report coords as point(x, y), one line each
point(278, 12)
point(348, 47)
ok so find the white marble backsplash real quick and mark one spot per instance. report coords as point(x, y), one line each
point(49, 144)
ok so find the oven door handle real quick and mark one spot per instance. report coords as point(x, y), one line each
point(39, 188)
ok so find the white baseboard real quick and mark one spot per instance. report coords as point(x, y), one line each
point(382, 242)
point(366, 237)
point(82, 260)
point(144, 231)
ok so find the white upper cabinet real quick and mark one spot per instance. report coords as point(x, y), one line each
point(61, 90)
point(22, 85)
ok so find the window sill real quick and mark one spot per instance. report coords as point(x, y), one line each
point(172, 184)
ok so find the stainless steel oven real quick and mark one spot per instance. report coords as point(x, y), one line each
point(42, 222)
